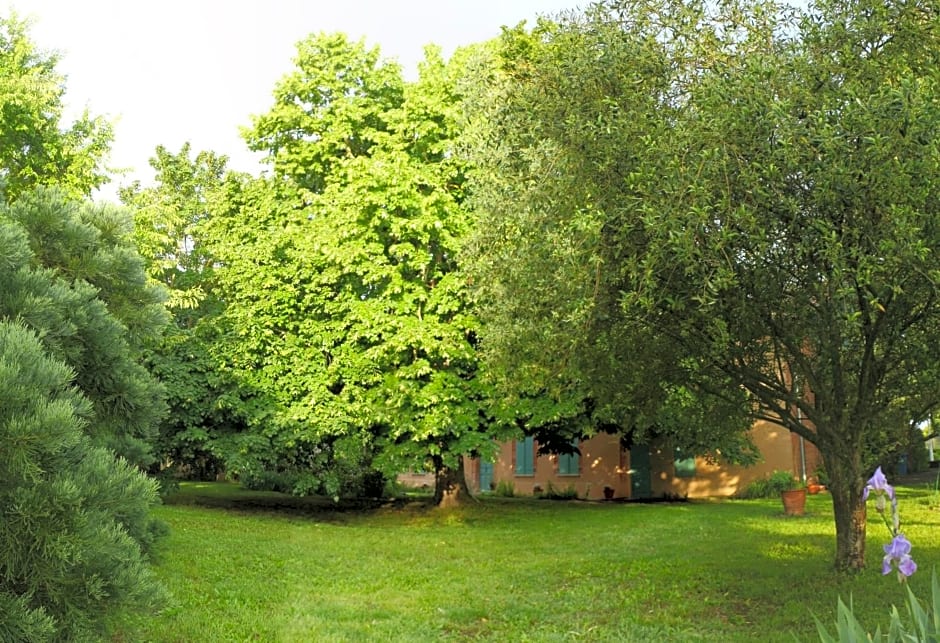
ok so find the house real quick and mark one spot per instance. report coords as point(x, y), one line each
point(641, 472)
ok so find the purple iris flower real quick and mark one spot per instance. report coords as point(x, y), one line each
point(898, 552)
point(879, 484)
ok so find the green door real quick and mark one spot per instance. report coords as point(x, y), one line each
point(486, 476)
point(640, 472)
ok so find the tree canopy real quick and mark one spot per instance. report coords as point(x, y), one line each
point(71, 273)
point(75, 527)
point(738, 198)
point(552, 142)
point(197, 436)
point(74, 312)
point(345, 315)
point(36, 147)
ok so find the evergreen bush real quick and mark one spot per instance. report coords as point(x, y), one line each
point(74, 520)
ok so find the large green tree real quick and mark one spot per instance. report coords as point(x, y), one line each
point(741, 198)
point(167, 217)
point(35, 148)
point(553, 132)
point(74, 310)
point(344, 303)
point(196, 436)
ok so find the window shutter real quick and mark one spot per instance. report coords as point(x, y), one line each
point(685, 467)
point(569, 464)
point(525, 456)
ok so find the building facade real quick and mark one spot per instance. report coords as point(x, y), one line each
point(604, 469)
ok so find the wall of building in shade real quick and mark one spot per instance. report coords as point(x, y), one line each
point(646, 472)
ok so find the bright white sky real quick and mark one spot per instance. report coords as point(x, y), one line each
point(170, 71)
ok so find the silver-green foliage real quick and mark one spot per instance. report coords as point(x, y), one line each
point(75, 524)
point(75, 314)
point(70, 272)
point(73, 519)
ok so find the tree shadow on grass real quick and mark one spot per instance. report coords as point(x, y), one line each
point(231, 497)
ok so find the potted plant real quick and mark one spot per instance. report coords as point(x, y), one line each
point(822, 479)
point(792, 492)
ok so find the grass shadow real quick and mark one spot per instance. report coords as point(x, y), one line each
point(233, 497)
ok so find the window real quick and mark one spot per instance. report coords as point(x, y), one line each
point(569, 464)
point(525, 456)
point(685, 466)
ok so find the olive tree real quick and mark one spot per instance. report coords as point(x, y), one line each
point(738, 201)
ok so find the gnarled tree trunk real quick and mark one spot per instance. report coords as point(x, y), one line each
point(846, 483)
point(450, 484)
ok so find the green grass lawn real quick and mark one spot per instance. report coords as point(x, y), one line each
point(513, 570)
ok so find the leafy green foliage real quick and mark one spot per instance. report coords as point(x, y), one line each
point(75, 521)
point(550, 156)
point(167, 218)
point(334, 106)
point(551, 492)
point(335, 469)
point(505, 489)
point(75, 314)
point(198, 435)
point(770, 486)
point(740, 199)
point(345, 311)
point(34, 148)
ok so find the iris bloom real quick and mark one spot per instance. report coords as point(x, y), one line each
point(898, 552)
point(879, 484)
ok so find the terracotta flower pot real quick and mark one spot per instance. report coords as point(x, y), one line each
point(794, 502)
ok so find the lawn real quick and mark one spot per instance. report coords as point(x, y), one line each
point(245, 566)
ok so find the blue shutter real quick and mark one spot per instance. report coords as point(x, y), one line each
point(486, 476)
point(569, 464)
point(685, 467)
point(525, 456)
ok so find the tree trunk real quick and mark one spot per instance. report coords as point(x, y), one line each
point(450, 484)
point(846, 484)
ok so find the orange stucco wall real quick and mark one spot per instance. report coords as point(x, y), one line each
point(781, 450)
point(602, 463)
point(717, 479)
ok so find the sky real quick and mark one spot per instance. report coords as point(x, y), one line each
point(170, 71)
